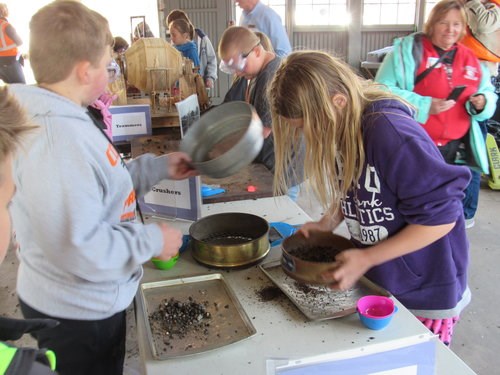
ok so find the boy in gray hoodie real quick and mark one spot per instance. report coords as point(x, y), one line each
point(81, 248)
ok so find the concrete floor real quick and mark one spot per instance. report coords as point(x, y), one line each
point(477, 336)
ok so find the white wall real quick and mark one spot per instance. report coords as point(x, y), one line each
point(118, 13)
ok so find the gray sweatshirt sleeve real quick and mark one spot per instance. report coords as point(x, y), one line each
point(211, 70)
point(147, 170)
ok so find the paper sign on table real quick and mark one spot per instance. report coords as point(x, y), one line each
point(129, 121)
point(174, 199)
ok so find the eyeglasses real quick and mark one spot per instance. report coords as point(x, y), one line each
point(113, 71)
point(237, 64)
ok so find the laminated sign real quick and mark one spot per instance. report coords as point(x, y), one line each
point(189, 112)
point(174, 199)
point(130, 121)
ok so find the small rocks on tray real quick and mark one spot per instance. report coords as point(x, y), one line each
point(177, 319)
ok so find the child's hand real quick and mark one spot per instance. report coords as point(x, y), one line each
point(179, 166)
point(172, 241)
point(327, 223)
point(440, 105)
point(350, 265)
point(478, 102)
point(313, 226)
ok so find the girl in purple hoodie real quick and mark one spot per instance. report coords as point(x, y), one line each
point(375, 168)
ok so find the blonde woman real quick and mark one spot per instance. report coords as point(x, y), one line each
point(424, 68)
point(370, 162)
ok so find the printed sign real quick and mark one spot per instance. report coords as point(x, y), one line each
point(189, 112)
point(174, 199)
point(130, 121)
point(415, 359)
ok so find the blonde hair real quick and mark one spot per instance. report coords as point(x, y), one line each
point(62, 34)
point(178, 14)
point(303, 88)
point(4, 11)
point(13, 123)
point(439, 12)
point(265, 42)
point(237, 38)
point(183, 26)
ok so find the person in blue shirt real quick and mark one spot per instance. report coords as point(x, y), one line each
point(260, 17)
point(180, 35)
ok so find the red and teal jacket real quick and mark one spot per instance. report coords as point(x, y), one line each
point(412, 55)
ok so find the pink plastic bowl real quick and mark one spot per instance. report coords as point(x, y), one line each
point(376, 312)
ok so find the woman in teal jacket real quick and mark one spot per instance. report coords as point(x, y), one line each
point(423, 68)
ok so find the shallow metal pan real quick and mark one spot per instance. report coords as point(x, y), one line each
point(229, 323)
point(320, 302)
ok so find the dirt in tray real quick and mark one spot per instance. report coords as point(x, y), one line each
point(307, 290)
point(269, 293)
point(175, 319)
point(321, 254)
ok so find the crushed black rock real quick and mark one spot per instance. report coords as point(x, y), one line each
point(176, 319)
point(321, 254)
point(307, 290)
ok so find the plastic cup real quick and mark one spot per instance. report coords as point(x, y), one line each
point(165, 264)
point(376, 312)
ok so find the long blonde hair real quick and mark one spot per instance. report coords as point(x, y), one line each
point(303, 88)
point(13, 124)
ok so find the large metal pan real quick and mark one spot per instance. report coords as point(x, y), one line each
point(230, 240)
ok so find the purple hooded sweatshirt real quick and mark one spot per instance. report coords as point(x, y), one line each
point(406, 181)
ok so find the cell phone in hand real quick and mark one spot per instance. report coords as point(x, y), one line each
point(456, 92)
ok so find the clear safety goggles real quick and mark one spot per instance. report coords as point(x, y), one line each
point(236, 64)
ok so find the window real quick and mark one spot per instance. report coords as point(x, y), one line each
point(321, 12)
point(389, 12)
point(428, 7)
point(279, 6)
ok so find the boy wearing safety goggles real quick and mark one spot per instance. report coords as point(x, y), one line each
point(242, 54)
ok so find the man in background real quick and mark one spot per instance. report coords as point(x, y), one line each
point(260, 17)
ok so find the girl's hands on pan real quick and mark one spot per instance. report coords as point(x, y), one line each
point(350, 265)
